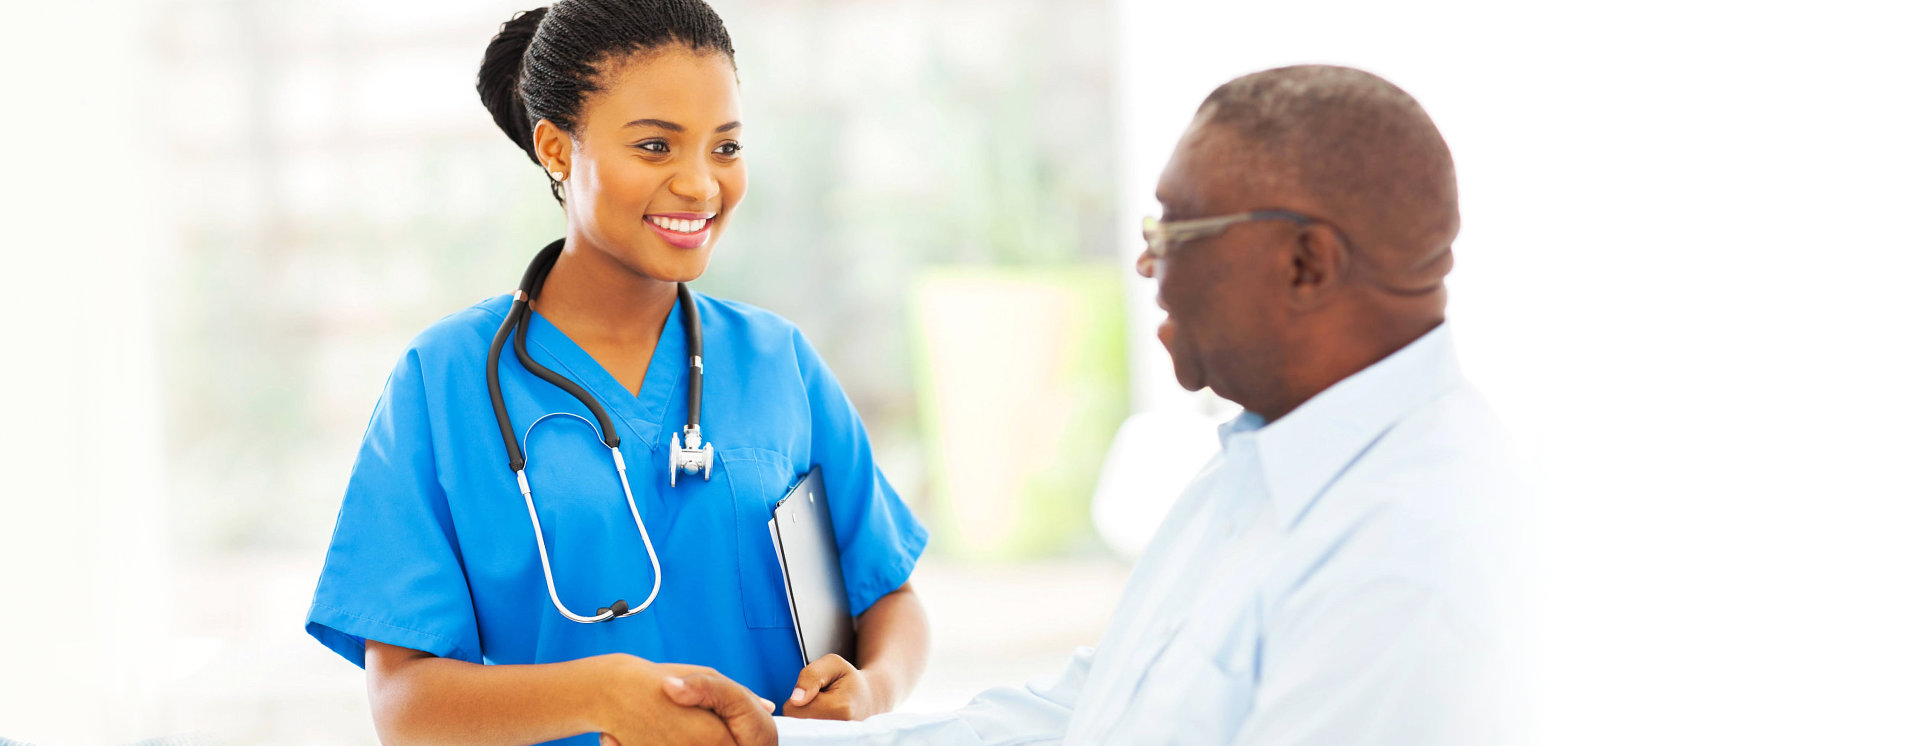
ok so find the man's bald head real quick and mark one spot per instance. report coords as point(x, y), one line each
point(1363, 151)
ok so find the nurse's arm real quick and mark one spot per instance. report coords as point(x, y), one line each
point(893, 644)
point(419, 698)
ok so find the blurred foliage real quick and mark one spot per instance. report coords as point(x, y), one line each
point(1022, 379)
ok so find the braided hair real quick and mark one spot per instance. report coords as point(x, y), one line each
point(545, 61)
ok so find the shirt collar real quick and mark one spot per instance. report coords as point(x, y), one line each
point(1304, 451)
point(1245, 422)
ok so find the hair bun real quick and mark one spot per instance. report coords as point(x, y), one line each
point(499, 82)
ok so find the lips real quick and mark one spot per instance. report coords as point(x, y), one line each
point(1168, 328)
point(683, 230)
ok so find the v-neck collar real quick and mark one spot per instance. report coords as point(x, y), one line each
point(644, 413)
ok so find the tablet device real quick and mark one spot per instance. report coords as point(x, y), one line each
point(802, 531)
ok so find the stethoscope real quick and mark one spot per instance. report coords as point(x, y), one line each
point(692, 456)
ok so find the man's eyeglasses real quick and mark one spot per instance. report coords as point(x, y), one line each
point(1163, 236)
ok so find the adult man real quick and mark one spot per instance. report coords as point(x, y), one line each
point(1331, 577)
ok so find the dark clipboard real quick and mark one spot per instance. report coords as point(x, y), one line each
point(802, 531)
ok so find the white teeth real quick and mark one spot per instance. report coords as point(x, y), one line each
point(678, 225)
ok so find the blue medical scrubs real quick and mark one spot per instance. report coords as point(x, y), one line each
point(433, 549)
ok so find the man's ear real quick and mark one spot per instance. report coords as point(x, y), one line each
point(555, 147)
point(1318, 257)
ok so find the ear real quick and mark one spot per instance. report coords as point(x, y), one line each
point(1318, 257)
point(554, 145)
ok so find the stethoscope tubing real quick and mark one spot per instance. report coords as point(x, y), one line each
point(515, 325)
point(540, 538)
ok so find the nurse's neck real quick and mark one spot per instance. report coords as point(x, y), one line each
point(612, 312)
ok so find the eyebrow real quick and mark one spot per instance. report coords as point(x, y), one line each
point(672, 127)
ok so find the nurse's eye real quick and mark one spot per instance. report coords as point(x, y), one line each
point(728, 149)
point(652, 146)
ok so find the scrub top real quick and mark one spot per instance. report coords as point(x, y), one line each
point(433, 548)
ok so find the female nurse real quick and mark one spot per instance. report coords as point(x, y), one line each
point(435, 580)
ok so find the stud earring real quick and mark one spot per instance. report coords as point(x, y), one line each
point(557, 176)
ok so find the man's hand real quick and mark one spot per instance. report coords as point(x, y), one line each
point(832, 689)
point(638, 710)
point(748, 717)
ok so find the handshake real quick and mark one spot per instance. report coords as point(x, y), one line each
point(706, 708)
point(671, 703)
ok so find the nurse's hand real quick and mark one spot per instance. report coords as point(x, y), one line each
point(640, 712)
point(832, 689)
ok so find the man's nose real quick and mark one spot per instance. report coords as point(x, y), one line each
point(1145, 264)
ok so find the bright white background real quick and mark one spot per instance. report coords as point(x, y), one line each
point(1685, 277)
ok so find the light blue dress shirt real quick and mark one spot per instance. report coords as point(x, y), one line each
point(1334, 577)
point(434, 550)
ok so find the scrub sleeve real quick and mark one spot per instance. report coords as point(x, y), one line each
point(393, 572)
point(880, 540)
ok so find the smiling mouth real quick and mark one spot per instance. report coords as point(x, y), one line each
point(680, 224)
point(683, 230)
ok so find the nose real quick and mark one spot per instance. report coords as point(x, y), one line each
point(1144, 264)
point(695, 184)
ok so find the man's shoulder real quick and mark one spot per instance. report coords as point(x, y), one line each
point(1434, 500)
point(1453, 447)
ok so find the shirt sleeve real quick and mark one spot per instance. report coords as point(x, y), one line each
point(1377, 662)
point(1032, 715)
point(393, 571)
point(880, 540)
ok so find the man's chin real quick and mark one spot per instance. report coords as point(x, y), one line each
point(1185, 370)
point(1188, 376)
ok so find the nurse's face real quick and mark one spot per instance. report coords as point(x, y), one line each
point(655, 170)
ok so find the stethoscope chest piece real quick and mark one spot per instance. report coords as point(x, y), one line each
point(690, 456)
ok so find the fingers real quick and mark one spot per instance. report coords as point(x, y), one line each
point(746, 714)
point(686, 669)
point(817, 676)
point(832, 704)
point(687, 695)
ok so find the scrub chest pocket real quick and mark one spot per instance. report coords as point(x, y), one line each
point(758, 479)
